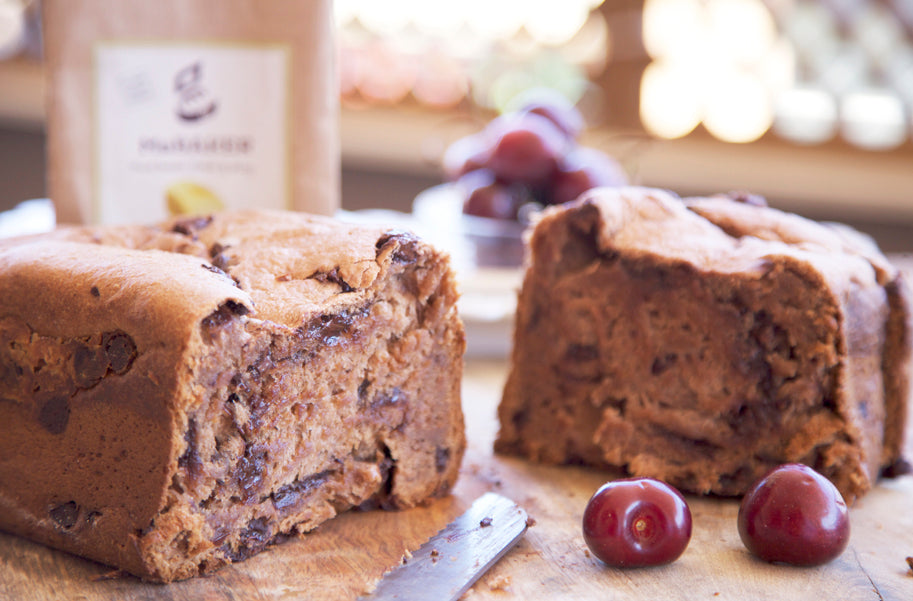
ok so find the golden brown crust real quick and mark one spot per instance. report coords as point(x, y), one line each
point(179, 396)
point(705, 341)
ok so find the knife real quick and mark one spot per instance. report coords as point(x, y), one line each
point(452, 560)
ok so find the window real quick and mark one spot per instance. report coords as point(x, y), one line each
point(808, 102)
point(806, 71)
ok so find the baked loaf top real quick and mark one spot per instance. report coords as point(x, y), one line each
point(290, 265)
point(704, 341)
point(178, 396)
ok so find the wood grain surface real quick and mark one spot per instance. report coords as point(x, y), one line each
point(345, 556)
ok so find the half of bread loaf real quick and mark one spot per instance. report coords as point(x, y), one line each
point(706, 341)
point(176, 398)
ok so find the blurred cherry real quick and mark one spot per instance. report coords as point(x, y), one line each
point(525, 148)
point(487, 197)
point(584, 168)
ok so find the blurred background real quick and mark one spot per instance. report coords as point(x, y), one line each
point(806, 102)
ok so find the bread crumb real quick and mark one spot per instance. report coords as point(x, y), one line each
point(370, 587)
point(910, 563)
point(499, 583)
point(485, 522)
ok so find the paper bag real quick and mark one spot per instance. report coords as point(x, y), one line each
point(189, 106)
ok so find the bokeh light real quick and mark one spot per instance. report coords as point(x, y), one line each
point(738, 108)
point(670, 103)
point(808, 70)
point(873, 119)
point(709, 65)
point(440, 55)
point(806, 114)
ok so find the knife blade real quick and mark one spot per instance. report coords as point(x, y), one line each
point(452, 560)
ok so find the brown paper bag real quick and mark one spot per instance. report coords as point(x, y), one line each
point(169, 107)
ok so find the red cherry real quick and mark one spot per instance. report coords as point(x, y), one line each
point(584, 168)
point(525, 148)
point(637, 522)
point(486, 197)
point(794, 515)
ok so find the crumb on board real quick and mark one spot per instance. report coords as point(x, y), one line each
point(473, 468)
point(530, 521)
point(485, 522)
point(370, 587)
point(499, 583)
point(910, 564)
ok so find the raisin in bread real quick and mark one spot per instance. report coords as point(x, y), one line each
point(175, 398)
point(706, 341)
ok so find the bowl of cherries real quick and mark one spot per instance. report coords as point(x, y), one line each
point(527, 158)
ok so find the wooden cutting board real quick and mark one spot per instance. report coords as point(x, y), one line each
point(343, 557)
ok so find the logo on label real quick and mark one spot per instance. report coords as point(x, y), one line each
point(194, 100)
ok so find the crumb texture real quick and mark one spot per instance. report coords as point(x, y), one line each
point(178, 397)
point(704, 342)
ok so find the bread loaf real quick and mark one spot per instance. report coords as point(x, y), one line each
point(177, 397)
point(704, 342)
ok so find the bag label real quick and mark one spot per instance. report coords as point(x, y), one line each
point(188, 128)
